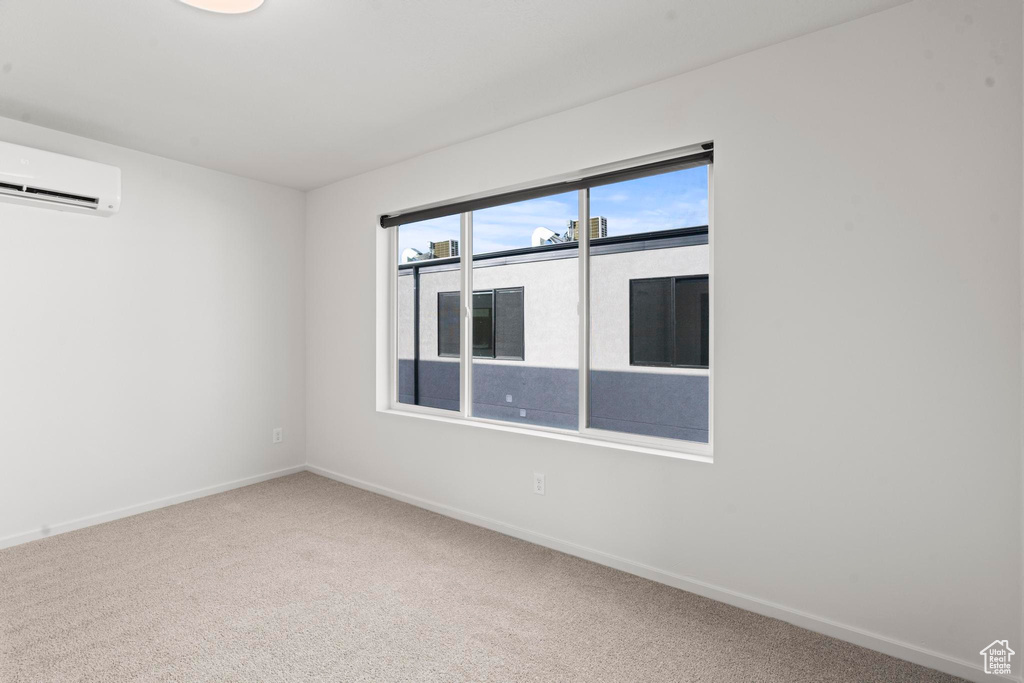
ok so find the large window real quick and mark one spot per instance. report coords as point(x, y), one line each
point(497, 324)
point(606, 279)
point(668, 321)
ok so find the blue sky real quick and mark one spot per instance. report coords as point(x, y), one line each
point(660, 202)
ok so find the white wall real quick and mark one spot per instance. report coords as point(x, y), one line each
point(610, 277)
point(431, 283)
point(150, 354)
point(868, 326)
point(551, 327)
point(550, 330)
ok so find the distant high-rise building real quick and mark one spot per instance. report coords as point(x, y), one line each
point(598, 228)
point(444, 249)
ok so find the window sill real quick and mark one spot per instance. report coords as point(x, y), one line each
point(623, 444)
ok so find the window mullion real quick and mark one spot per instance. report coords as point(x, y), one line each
point(583, 306)
point(466, 319)
point(711, 308)
point(393, 318)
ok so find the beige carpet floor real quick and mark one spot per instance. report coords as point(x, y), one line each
point(305, 579)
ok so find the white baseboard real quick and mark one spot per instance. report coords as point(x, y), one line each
point(911, 653)
point(82, 522)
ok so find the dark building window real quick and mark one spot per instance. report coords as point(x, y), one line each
point(448, 324)
point(483, 324)
point(508, 324)
point(497, 324)
point(668, 322)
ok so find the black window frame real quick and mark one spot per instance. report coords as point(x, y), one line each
point(672, 280)
point(494, 317)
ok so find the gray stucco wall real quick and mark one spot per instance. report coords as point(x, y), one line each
point(653, 404)
point(438, 383)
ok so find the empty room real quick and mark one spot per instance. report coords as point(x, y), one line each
point(511, 340)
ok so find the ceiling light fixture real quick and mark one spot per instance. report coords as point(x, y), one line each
point(225, 6)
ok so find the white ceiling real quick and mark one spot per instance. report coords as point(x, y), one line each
point(305, 92)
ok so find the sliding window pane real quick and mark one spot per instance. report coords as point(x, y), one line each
point(509, 323)
point(525, 273)
point(691, 322)
point(650, 321)
point(483, 324)
point(428, 313)
point(649, 263)
point(448, 324)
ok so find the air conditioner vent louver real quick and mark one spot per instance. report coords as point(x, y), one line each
point(65, 196)
point(9, 186)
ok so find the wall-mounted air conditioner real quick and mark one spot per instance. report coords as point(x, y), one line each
point(54, 181)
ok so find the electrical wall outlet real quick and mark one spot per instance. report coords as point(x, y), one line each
point(538, 483)
point(522, 412)
point(278, 435)
point(508, 398)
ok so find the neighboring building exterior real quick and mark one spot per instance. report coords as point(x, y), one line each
point(445, 249)
point(528, 331)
